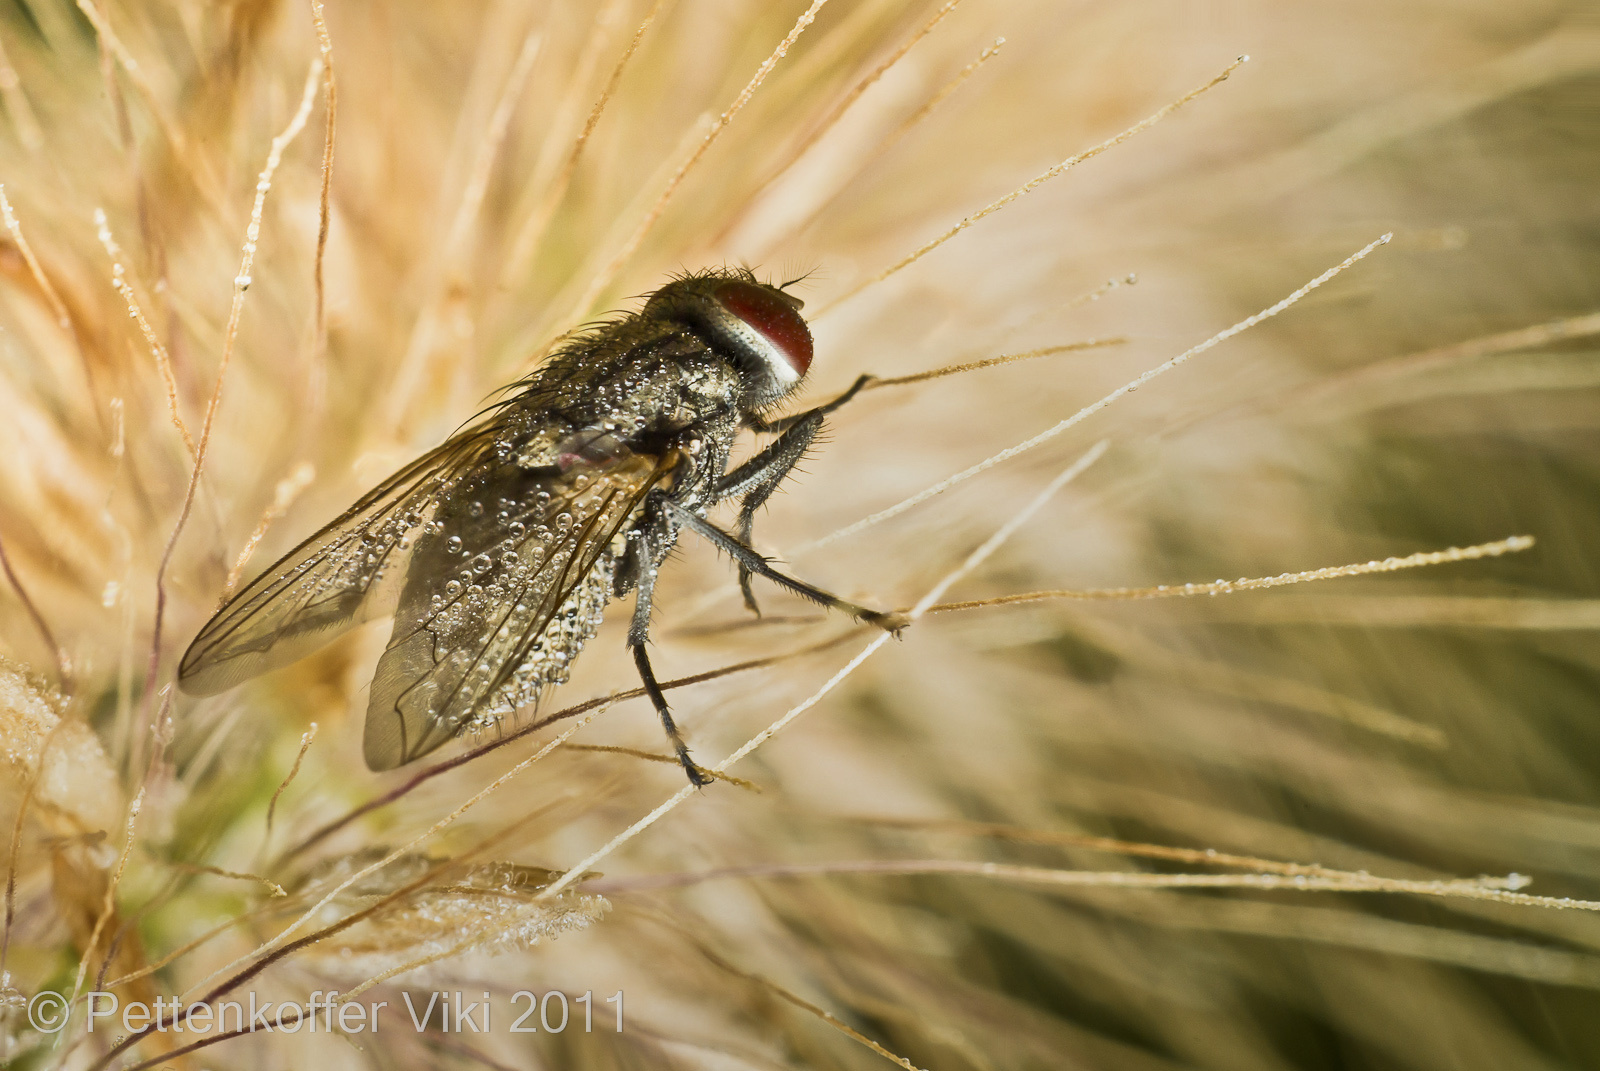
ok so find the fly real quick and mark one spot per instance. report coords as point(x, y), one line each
point(497, 552)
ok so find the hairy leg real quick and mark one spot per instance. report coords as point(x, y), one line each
point(655, 536)
point(756, 480)
point(755, 563)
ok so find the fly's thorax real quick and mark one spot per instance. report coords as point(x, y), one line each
point(560, 447)
point(756, 328)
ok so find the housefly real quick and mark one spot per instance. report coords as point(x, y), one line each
point(497, 552)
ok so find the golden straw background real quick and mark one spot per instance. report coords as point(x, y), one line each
point(1081, 815)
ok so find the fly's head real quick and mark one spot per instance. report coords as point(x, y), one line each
point(757, 328)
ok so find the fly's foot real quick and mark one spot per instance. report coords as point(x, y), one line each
point(699, 776)
point(749, 594)
point(893, 622)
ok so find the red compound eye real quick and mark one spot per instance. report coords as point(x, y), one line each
point(774, 319)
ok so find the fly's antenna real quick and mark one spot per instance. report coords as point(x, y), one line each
point(815, 271)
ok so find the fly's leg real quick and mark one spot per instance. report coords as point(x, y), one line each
point(757, 478)
point(641, 660)
point(755, 563)
point(785, 423)
point(654, 538)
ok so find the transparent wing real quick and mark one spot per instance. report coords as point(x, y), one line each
point(338, 578)
point(500, 597)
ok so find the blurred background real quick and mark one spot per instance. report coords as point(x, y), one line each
point(1426, 725)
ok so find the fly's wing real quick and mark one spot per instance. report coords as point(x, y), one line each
point(508, 588)
point(334, 580)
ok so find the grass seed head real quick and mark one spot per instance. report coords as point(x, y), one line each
point(300, 245)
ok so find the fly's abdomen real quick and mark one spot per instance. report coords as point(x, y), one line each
point(502, 592)
point(548, 661)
